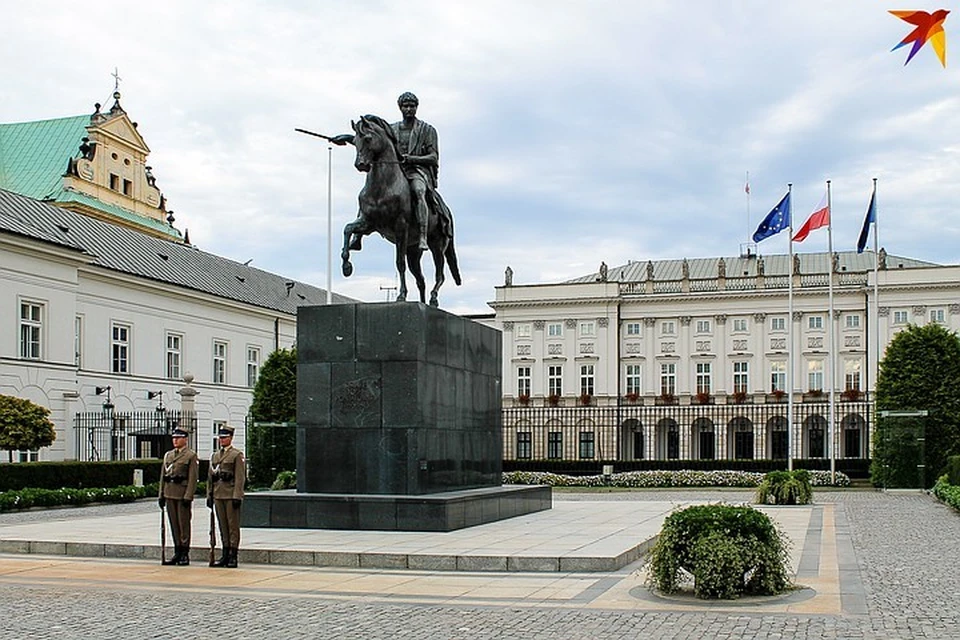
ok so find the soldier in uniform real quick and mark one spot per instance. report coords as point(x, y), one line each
point(178, 483)
point(225, 483)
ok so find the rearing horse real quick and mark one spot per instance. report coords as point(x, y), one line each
point(386, 208)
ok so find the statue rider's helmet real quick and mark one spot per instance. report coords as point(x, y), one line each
point(407, 96)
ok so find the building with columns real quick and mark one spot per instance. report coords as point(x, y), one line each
point(690, 359)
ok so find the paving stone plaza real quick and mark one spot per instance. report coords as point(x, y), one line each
point(873, 564)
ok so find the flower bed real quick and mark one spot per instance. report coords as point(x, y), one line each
point(654, 479)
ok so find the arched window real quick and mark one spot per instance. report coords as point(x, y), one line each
point(741, 437)
point(704, 439)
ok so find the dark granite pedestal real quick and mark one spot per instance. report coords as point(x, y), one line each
point(445, 511)
point(398, 424)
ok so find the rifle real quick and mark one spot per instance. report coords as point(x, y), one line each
point(163, 534)
point(213, 539)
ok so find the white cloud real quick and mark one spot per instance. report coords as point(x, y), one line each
point(570, 132)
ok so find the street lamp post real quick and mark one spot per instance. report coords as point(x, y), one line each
point(329, 207)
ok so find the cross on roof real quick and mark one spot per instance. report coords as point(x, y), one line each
point(116, 79)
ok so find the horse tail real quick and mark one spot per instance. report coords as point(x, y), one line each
point(451, 256)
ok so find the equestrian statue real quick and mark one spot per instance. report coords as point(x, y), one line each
point(399, 199)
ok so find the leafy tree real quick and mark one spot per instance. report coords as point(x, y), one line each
point(272, 447)
point(920, 370)
point(24, 426)
point(275, 394)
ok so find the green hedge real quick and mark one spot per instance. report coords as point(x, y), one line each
point(947, 492)
point(80, 475)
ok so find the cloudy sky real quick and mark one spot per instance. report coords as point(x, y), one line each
point(570, 132)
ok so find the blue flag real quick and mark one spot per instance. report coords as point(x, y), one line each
point(776, 221)
point(870, 219)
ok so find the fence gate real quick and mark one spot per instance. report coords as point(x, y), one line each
point(104, 435)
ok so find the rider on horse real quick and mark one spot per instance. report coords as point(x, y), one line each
point(419, 156)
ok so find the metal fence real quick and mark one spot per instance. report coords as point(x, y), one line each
point(127, 436)
point(633, 432)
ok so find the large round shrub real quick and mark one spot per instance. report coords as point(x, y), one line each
point(729, 550)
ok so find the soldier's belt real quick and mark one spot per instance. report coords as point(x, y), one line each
point(175, 479)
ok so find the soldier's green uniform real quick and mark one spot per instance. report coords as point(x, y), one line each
point(178, 483)
point(225, 483)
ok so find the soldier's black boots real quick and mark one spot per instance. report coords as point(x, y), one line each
point(184, 559)
point(174, 560)
point(232, 560)
point(224, 558)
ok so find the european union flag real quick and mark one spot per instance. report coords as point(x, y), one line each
point(776, 221)
point(870, 219)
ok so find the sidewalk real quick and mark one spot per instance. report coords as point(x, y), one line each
point(572, 536)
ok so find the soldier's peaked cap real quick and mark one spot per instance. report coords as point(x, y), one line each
point(225, 432)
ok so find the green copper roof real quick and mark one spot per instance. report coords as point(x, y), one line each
point(34, 155)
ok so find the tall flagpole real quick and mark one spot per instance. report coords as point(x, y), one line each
point(329, 224)
point(746, 187)
point(876, 298)
point(831, 349)
point(790, 337)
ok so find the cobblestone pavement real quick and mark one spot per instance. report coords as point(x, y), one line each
point(905, 548)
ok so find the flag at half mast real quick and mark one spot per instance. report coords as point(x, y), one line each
point(819, 218)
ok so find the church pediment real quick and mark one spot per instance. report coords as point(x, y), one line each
point(121, 129)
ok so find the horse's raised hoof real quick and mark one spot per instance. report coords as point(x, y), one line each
point(347, 268)
point(433, 300)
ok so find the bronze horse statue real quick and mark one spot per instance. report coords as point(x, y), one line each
point(386, 208)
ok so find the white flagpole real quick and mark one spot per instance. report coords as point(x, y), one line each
point(747, 189)
point(831, 351)
point(876, 296)
point(790, 337)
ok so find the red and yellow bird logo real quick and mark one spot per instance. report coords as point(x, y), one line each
point(929, 27)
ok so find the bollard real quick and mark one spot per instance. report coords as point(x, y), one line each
point(138, 477)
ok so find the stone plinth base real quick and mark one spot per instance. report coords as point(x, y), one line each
point(446, 511)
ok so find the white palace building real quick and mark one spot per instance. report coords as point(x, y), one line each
point(688, 359)
point(111, 318)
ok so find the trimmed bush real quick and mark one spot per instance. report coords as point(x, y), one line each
point(947, 492)
point(284, 480)
point(729, 550)
point(785, 487)
point(953, 470)
point(661, 479)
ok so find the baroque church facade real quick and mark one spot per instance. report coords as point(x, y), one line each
point(113, 317)
point(679, 360)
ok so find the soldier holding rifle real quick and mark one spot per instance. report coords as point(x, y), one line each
point(178, 483)
point(225, 483)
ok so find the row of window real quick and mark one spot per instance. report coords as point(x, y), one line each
point(31, 348)
point(705, 326)
point(633, 376)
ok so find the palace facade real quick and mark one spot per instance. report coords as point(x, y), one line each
point(691, 359)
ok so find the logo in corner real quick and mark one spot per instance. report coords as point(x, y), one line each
point(928, 27)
